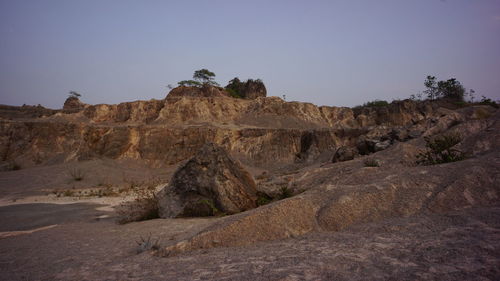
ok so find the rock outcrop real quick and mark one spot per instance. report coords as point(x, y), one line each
point(340, 195)
point(254, 89)
point(73, 104)
point(263, 132)
point(208, 183)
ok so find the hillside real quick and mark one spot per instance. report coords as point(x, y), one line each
point(344, 196)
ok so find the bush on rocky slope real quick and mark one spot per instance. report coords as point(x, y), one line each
point(440, 150)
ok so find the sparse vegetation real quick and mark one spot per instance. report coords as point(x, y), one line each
point(147, 244)
point(13, 166)
point(376, 103)
point(76, 174)
point(490, 102)
point(263, 199)
point(371, 163)
point(440, 150)
point(285, 192)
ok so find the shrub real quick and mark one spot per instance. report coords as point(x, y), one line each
point(440, 150)
point(285, 192)
point(147, 244)
point(371, 163)
point(145, 206)
point(376, 103)
point(239, 89)
point(263, 199)
point(487, 101)
point(13, 166)
point(76, 174)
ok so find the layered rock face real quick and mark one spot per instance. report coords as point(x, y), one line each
point(259, 132)
point(209, 182)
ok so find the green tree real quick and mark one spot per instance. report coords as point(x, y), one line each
point(74, 94)
point(201, 78)
point(432, 89)
point(205, 76)
point(450, 89)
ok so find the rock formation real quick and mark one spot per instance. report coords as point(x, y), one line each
point(263, 132)
point(208, 183)
point(73, 104)
point(339, 195)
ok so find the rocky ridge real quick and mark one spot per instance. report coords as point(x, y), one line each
point(254, 131)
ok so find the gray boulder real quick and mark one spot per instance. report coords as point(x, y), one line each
point(209, 183)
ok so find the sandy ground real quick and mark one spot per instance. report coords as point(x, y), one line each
point(455, 246)
point(45, 237)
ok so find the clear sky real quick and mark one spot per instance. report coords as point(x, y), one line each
point(339, 53)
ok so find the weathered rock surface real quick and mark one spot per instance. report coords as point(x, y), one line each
point(263, 131)
point(209, 182)
point(348, 193)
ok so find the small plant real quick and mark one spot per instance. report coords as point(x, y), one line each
point(285, 192)
point(13, 166)
point(440, 150)
point(147, 244)
point(68, 193)
point(263, 199)
point(371, 163)
point(76, 174)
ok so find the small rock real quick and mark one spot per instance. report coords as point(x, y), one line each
point(344, 153)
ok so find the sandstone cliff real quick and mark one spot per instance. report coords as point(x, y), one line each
point(261, 132)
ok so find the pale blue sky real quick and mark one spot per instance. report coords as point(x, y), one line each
point(339, 53)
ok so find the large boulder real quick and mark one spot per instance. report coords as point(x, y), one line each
point(208, 183)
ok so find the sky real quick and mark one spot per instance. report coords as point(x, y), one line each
point(336, 53)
